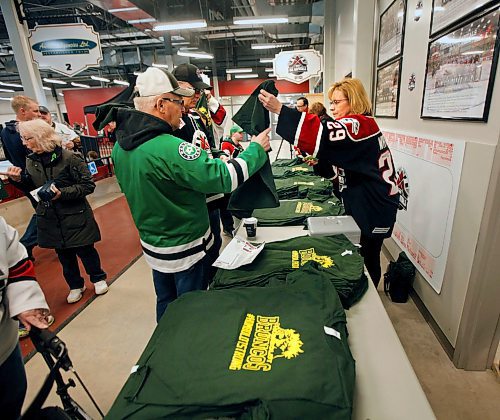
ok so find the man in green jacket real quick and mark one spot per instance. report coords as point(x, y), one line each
point(165, 181)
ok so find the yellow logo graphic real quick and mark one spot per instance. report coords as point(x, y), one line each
point(300, 169)
point(305, 208)
point(300, 257)
point(303, 183)
point(269, 342)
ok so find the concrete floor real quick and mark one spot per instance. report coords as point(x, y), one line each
point(103, 354)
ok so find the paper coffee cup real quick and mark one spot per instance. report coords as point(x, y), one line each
point(250, 224)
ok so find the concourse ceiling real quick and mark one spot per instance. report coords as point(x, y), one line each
point(130, 43)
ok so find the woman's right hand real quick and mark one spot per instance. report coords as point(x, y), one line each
point(270, 102)
point(14, 173)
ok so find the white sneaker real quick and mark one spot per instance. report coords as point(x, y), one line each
point(101, 287)
point(75, 295)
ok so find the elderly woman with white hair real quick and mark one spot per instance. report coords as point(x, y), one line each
point(65, 221)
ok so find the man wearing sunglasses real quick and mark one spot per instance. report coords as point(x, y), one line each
point(165, 181)
point(194, 131)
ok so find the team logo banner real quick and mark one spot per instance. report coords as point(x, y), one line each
point(298, 66)
point(67, 48)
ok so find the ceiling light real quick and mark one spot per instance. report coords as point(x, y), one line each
point(259, 20)
point(56, 81)
point(183, 24)
point(123, 9)
point(145, 20)
point(464, 53)
point(268, 69)
point(11, 84)
point(121, 82)
point(246, 76)
point(100, 79)
point(46, 88)
point(176, 44)
point(266, 60)
point(193, 54)
point(271, 45)
point(61, 94)
point(229, 71)
point(164, 66)
point(7, 90)
point(79, 85)
point(5, 99)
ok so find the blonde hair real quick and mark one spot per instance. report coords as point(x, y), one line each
point(317, 108)
point(355, 93)
point(45, 136)
point(21, 101)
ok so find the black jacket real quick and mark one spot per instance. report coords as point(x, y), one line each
point(67, 222)
point(13, 147)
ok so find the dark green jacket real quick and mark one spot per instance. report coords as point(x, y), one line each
point(69, 221)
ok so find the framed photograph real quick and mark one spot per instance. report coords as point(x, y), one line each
point(391, 32)
point(446, 12)
point(387, 90)
point(460, 71)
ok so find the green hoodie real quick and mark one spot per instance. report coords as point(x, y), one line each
point(165, 181)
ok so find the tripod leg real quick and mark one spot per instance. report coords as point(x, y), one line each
point(279, 149)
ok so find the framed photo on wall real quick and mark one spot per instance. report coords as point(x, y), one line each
point(447, 12)
point(387, 90)
point(460, 73)
point(391, 32)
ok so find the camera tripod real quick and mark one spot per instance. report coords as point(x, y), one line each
point(55, 354)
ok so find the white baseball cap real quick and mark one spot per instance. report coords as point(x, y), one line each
point(155, 81)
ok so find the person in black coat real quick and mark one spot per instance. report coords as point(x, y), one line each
point(65, 222)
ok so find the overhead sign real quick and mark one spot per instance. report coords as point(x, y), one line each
point(298, 66)
point(67, 48)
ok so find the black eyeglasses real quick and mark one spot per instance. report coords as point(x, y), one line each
point(179, 102)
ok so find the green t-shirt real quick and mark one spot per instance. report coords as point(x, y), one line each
point(253, 353)
point(300, 186)
point(295, 212)
point(277, 259)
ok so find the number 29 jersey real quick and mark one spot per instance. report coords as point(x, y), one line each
point(353, 153)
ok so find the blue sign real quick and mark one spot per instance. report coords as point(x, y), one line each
point(64, 46)
point(92, 168)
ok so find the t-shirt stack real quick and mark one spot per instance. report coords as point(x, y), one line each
point(252, 353)
point(302, 194)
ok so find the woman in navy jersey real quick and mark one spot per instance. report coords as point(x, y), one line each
point(350, 150)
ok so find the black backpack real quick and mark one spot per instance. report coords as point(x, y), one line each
point(399, 278)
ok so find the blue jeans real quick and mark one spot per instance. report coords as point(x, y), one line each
point(29, 239)
point(169, 286)
point(12, 385)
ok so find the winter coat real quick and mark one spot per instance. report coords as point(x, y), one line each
point(67, 222)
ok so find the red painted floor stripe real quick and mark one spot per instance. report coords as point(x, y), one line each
point(118, 248)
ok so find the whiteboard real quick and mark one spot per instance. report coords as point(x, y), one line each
point(431, 169)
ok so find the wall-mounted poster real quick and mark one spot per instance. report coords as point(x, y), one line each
point(446, 12)
point(460, 72)
point(387, 91)
point(391, 32)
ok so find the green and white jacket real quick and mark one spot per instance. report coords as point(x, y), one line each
point(165, 180)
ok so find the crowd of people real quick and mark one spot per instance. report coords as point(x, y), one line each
point(168, 148)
